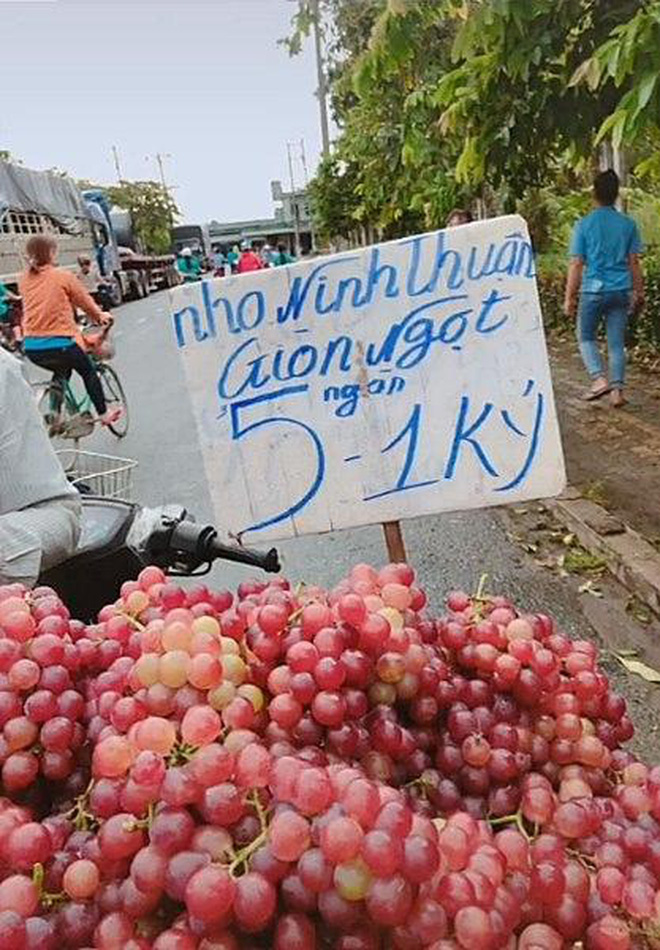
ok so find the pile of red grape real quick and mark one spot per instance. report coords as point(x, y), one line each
point(304, 769)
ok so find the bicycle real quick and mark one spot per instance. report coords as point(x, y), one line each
point(67, 409)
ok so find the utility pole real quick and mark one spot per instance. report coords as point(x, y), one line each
point(294, 203)
point(161, 174)
point(161, 169)
point(303, 161)
point(322, 91)
point(115, 156)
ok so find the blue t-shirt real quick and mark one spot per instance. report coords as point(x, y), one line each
point(604, 240)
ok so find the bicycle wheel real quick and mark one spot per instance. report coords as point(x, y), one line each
point(114, 396)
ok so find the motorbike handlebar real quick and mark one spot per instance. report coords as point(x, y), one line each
point(201, 545)
point(268, 561)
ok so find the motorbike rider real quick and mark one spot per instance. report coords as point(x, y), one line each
point(188, 265)
point(90, 277)
point(9, 326)
point(249, 260)
point(39, 510)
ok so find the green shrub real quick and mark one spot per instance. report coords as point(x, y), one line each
point(644, 330)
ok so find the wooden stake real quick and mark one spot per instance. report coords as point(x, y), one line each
point(396, 549)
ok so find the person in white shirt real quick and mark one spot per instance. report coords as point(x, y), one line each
point(39, 510)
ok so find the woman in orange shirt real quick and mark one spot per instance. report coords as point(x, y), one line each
point(50, 296)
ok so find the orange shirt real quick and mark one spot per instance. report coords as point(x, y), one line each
point(50, 297)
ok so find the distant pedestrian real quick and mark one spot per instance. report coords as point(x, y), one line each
point(459, 216)
point(233, 258)
point(249, 260)
point(219, 261)
point(605, 273)
point(282, 257)
point(266, 255)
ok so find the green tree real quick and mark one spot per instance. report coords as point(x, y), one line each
point(509, 96)
point(153, 211)
point(629, 60)
point(438, 100)
point(389, 165)
point(332, 198)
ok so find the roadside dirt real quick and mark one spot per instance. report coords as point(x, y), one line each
point(612, 455)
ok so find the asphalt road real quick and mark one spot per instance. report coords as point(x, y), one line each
point(448, 551)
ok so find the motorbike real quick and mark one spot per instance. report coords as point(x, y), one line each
point(118, 539)
point(10, 337)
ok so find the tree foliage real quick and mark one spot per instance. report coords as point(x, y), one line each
point(153, 211)
point(629, 59)
point(389, 166)
point(440, 101)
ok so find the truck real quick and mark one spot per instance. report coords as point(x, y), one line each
point(83, 223)
point(134, 274)
point(195, 236)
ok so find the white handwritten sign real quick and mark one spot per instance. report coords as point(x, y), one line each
point(387, 382)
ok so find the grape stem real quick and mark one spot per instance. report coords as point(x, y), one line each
point(134, 622)
point(243, 856)
point(584, 859)
point(295, 615)
point(181, 753)
point(515, 819)
point(480, 588)
point(143, 823)
point(82, 819)
point(47, 900)
point(262, 813)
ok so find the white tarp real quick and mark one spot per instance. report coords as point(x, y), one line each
point(22, 189)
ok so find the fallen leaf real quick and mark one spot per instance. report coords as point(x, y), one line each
point(639, 611)
point(639, 669)
point(589, 588)
point(568, 540)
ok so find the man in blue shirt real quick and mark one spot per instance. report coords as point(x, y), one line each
point(605, 272)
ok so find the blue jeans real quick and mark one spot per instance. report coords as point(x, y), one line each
point(614, 308)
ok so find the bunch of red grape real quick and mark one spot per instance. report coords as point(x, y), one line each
point(41, 707)
point(309, 769)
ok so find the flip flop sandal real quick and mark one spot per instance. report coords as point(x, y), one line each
point(620, 403)
point(593, 394)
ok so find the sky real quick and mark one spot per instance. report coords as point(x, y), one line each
point(202, 82)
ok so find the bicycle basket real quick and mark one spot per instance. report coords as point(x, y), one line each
point(106, 476)
point(98, 344)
